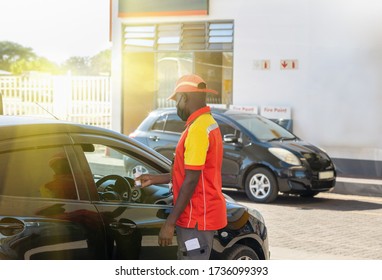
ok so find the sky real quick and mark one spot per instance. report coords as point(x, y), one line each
point(56, 29)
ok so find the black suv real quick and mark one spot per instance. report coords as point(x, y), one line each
point(65, 193)
point(260, 157)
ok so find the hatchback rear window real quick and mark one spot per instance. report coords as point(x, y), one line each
point(159, 123)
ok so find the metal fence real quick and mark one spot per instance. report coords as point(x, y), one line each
point(85, 100)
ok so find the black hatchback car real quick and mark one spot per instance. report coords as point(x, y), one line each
point(65, 194)
point(260, 157)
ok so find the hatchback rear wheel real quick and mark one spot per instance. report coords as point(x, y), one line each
point(260, 186)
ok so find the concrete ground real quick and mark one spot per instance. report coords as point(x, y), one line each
point(330, 226)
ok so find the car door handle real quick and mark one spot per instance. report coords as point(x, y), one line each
point(11, 226)
point(154, 138)
point(117, 225)
point(129, 225)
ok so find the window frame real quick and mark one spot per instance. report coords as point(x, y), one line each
point(116, 144)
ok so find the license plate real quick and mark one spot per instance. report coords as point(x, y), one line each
point(325, 175)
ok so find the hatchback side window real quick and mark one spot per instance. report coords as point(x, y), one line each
point(43, 172)
point(174, 124)
point(159, 123)
point(113, 173)
point(226, 129)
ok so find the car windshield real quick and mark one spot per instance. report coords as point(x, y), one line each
point(262, 128)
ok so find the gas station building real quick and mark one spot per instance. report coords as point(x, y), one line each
point(317, 63)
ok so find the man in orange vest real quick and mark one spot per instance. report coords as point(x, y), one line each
point(199, 205)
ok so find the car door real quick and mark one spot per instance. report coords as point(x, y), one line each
point(45, 211)
point(132, 216)
point(234, 154)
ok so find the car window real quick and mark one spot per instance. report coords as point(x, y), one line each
point(108, 165)
point(105, 160)
point(159, 123)
point(174, 124)
point(262, 128)
point(226, 128)
point(43, 172)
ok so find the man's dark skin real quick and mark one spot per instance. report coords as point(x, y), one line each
point(189, 103)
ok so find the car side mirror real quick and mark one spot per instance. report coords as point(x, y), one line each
point(230, 138)
point(163, 213)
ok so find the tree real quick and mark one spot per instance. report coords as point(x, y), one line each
point(101, 63)
point(18, 59)
point(77, 65)
point(11, 52)
point(40, 64)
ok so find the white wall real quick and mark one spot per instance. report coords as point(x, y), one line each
point(335, 94)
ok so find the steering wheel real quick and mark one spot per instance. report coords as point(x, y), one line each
point(121, 185)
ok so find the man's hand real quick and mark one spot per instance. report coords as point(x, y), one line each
point(166, 234)
point(150, 179)
point(146, 180)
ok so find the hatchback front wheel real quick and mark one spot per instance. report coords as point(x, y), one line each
point(240, 252)
point(260, 186)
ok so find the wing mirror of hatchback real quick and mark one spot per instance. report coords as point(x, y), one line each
point(230, 138)
point(163, 213)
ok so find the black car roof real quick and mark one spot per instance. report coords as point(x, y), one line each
point(12, 127)
point(22, 126)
